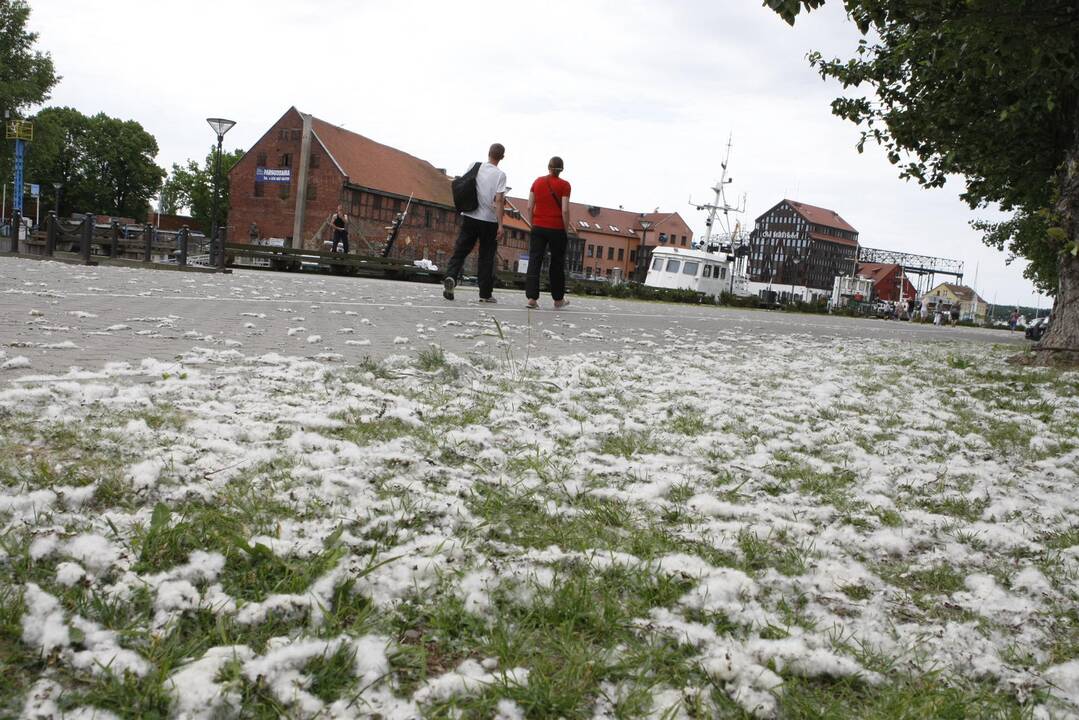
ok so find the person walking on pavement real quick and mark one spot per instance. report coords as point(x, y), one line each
point(548, 206)
point(483, 224)
point(339, 221)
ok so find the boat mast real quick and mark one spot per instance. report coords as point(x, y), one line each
point(720, 204)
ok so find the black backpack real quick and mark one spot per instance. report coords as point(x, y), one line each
point(465, 197)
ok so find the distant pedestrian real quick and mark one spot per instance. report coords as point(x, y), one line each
point(955, 314)
point(253, 232)
point(548, 206)
point(483, 224)
point(339, 222)
point(1013, 320)
point(938, 315)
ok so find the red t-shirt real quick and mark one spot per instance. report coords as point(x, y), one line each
point(548, 211)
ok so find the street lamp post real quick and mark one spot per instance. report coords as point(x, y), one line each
point(57, 186)
point(220, 126)
point(644, 258)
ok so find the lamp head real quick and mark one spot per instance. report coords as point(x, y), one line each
point(220, 126)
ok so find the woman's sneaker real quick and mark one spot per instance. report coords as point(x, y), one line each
point(447, 287)
point(488, 300)
point(532, 305)
point(559, 304)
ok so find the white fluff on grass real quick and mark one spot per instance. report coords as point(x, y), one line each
point(195, 688)
point(469, 678)
point(19, 361)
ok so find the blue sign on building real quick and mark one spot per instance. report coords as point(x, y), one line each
point(273, 175)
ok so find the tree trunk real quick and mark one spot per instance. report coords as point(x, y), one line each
point(1060, 344)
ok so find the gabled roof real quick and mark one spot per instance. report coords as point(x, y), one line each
point(875, 272)
point(962, 292)
point(380, 167)
point(820, 216)
point(833, 239)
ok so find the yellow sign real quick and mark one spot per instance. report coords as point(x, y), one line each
point(20, 130)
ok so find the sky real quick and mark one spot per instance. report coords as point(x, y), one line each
point(639, 97)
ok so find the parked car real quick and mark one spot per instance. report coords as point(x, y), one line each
point(1036, 328)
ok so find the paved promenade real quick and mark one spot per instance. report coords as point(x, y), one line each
point(58, 316)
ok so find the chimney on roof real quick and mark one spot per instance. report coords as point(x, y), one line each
point(441, 170)
point(593, 211)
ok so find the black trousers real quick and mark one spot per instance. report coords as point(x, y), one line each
point(340, 236)
point(544, 239)
point(471, 231)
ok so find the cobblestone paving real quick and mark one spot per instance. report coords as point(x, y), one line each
point(57, 316)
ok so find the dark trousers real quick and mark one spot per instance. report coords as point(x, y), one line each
point(471, 231)
point(544, 239)
point(340, 236)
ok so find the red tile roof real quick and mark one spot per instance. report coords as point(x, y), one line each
point(380, 167)
point(820, 216)
point(601, 220)
point(876, 272)
point(833, 239)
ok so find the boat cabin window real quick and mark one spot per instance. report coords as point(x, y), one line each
point(673, 265)
point(657, 264)
point(707, 271)
point(690, 268)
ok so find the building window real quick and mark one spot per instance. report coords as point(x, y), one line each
point(588, 270)
point(673, 265)
point(258, 189)
point(610, 253)
point(286, 160)
point(608, 272)
point(427, 217)
point(295, 134)
point(312, 191)
point(621, 253)
point(599, 251)
point(591, 250)
point(683, 241)
point(657, 264)
point(690, 268)
point(261, 160)
point(315, 160)
point(723, 273)
point(633, 256)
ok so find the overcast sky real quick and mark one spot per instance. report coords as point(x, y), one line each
point(637, 96)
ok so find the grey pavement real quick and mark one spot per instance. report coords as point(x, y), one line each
point(60, 316)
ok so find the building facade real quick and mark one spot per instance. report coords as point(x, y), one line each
point(886, 279)
point(801, 246)
point(946, 296)
point(291, 181)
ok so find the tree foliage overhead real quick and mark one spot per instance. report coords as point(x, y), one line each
point(191, 186)
point(104, 164)
point(26, 74)
point(986, 89)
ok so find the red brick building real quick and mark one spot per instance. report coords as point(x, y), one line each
point(323, 165)
point(885, 278)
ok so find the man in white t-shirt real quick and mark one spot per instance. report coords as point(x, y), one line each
point(483, 224)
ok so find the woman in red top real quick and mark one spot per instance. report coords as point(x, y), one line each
point(548, 206)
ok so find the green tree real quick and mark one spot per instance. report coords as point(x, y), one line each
point(106, 165)
point(985, 89)
point(26, 74)
point(191, 186)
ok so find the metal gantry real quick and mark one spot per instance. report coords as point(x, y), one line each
point(924, 266)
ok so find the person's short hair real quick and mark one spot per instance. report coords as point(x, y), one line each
point(556, 163)
point(497, 151)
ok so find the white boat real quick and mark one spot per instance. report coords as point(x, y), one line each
point(716, 263)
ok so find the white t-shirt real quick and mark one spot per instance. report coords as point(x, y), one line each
point(489, 182)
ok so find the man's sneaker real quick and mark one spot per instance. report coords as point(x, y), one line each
point(532, 305)
point(559, 304)
point(488, 300)
point(447, 287)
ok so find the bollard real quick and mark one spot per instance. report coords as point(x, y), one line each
point(52, 227)
point(87, 237)
point(148, 237)
point(181, 259)
point(16, 228)
point(114, 244)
